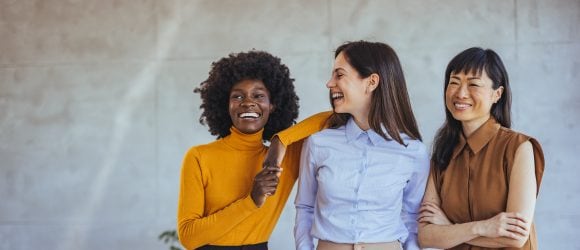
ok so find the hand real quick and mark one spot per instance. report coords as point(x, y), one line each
point(431, 213)
point(512, 225)
point(265, 184)
point(275, 153)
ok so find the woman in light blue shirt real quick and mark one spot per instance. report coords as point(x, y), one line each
point(362, 179)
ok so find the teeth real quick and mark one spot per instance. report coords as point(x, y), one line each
point(462, 105)
point(337, 95)
point(252, 115)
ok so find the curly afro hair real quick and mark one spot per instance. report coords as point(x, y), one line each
point(252, 65)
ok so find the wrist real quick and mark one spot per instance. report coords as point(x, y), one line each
point(476, 228)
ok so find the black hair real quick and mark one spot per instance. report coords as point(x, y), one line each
point(473, 60)
point(252, 65)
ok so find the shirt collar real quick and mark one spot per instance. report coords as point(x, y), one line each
point(353, 131)
point(479, 138)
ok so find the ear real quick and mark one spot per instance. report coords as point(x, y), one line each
point(373, 81)
point(272, 108)
point(497, 94)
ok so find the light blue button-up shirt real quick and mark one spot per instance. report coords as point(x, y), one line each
point(357, 187)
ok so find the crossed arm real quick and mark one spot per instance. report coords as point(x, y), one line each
point(507, 229)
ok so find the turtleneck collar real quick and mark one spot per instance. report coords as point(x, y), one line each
point(245, 142)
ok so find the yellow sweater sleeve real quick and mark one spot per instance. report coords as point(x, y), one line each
point(194, 228)
point(304, 128)
point(293, 137)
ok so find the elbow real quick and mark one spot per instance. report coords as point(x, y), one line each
point(422, 238)
point(424, 242)
point(181, 238)
point(184, 236)
point(519, 243)
point(426, 238)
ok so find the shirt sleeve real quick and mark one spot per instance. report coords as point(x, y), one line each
point(196, 229)
point(305, 199)
point(304, 128)
point(413, 195)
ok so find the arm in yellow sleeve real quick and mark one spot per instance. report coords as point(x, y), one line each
point(292, 138)
point(293, 134)
point(195, 229)
point(304, 128)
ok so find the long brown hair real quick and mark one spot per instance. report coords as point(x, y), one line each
point(390, 105)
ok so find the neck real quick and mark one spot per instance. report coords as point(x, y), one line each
point(470, 126)
point(362, 120)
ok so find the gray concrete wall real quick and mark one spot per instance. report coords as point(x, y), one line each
point(97, 109)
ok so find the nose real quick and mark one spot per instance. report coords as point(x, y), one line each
point(330, 84)
point(462, 91)
point(248, 103)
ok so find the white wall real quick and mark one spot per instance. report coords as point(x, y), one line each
point(97, 109)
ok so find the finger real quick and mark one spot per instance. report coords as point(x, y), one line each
point(517, 230)
point(508, 234)
point(422, 215)
point(267, 164)
point(267, 175)
point(270, 177)
point(433, 207)
point(426, 219)
point(426, 202)
point(265, 172)
point(428, 209)
point(518, 216)
point(513, 236)
point(425, 210)
point(504, 233)
point(267, 191)
point(272, 169)
point(265, 183)
point(519, 223)
point(517, 219)
point(273, 184)
point(430, 203)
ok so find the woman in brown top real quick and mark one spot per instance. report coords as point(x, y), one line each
point(485, 177)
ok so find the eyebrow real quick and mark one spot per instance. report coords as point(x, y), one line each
point(253, 89)
point(469, 78)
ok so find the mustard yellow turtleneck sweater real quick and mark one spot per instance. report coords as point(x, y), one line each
point(215, 206)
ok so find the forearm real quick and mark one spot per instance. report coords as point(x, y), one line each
point(495, 242)
point(446, 236)
point(304, 218)
point(195, 231)
point(304, 128)
point(276, 152)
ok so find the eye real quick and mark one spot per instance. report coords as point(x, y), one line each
point(236, 97)
point(259, 96)
point(453, 83)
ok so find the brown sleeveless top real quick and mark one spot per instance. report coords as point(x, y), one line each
point(476, 182)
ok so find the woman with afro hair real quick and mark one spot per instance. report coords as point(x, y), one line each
point(247, 98)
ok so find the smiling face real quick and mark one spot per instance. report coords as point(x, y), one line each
point(469, 97)
point(349, 92)
point(250, 106)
